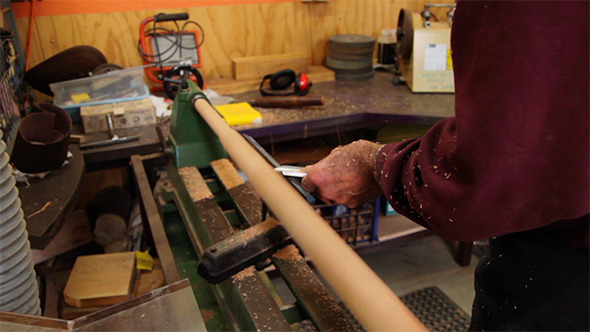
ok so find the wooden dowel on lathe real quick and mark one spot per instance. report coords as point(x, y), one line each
point(371, 301)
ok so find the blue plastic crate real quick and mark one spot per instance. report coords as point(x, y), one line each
point(356, 225)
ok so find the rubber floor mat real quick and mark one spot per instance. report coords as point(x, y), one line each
point(436, 310)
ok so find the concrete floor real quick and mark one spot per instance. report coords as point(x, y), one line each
point(421, 263)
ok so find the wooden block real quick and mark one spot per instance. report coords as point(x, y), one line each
point(127, 114)
point(319, 74)
point(224, 86)
point(148, 281)
point(257, 67)
point(101, 280)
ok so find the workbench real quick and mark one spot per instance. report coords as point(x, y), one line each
point(349, 105)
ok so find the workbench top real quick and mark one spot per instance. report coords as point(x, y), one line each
point(350, 104)
point(374, 96)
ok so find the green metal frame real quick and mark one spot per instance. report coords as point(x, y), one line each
point(192, 142)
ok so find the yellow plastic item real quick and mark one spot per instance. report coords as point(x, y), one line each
point(144, 261)
point(239, 113)
point(80, 98)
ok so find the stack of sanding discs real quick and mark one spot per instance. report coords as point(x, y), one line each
point(351, 56)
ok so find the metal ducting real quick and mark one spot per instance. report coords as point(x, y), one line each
point(18, 281)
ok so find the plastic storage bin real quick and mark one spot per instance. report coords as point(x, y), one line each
point(112, 87)
point(356, 225)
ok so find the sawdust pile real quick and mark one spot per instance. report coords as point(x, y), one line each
point(289, 252)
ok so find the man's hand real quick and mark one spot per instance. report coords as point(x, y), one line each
point(346, 176)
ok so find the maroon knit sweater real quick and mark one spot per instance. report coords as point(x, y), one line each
point(516, 155)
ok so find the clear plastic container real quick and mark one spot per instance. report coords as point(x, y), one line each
point(112, 87)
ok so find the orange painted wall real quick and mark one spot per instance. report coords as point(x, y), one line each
point(74, 7)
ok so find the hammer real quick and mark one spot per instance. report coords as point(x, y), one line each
point(288, 101)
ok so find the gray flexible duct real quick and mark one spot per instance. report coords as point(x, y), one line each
point(18, 281)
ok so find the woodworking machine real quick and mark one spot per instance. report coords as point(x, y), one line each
point(424, 48)
point(208, 225)
point(216, 226)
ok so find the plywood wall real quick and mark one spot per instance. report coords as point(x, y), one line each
point(230, 31)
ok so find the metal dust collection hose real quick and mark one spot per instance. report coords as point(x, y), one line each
point(18, 281)
point(371, 301)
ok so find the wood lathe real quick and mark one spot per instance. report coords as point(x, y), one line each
point(204, 217)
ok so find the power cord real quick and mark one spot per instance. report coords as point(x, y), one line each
point(175, 39)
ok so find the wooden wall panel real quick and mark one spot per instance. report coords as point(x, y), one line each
point(249, 30)
point(230, 31)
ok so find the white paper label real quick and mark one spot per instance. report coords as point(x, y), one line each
point(435, 57)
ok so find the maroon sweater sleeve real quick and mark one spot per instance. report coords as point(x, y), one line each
point(516, 155)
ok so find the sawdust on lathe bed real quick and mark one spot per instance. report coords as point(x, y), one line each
point(245, 273)
point(194, 183)
point(227, 173)
point(290, 252)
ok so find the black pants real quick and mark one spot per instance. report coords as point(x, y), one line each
point(531, 282)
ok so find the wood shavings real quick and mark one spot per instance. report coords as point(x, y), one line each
point(207, 315)
point(244, 274)
point(48, 204)
point(289, 252)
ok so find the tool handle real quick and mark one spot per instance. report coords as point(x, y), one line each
point(112, 141)
point(171, 17)
point(295, 182)
point(289, 101)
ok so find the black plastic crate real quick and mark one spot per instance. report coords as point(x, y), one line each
point(356, 225)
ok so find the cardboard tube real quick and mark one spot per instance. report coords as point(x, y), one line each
point(371, 301)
